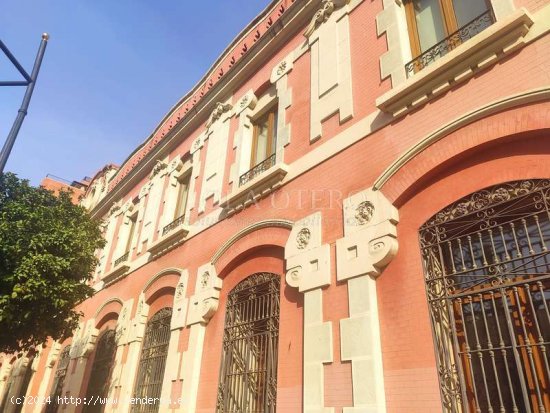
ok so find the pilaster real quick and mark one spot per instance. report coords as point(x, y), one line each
point(202, 306)
point(308, 269)
point(369, 244)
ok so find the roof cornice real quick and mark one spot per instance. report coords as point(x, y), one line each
point(239, 49)
point(176, 124)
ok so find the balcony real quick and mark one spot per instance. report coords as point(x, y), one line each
point(255, 184)
point(257, 170)
point(174, 224)
point(172, 236)
point(122, 259)
point(463, 34)
point(118, 271)
point(456, 61)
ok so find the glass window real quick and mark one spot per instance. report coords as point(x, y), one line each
point(265, 134)
point(183, 192)
point(438, 26)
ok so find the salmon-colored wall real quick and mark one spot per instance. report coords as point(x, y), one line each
point(511, 143)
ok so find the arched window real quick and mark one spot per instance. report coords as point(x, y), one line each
point(248, 374)
point(487, 270)
point(59, 380)
point(153, 361)
point(100, 376)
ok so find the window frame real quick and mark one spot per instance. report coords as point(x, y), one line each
point(270, 112)
point(183, 181)
point(449, 21)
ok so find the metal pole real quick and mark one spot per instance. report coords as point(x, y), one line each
point(6, 150)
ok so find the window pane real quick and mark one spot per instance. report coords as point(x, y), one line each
point(468, 10)
point(262, 140)
point(429, 21)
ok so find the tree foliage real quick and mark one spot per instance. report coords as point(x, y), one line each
point(47, 255)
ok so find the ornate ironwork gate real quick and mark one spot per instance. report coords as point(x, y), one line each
point(487, 270)
point(100, 377)
point(153, 361)
point(248, 374)
point(59, 380)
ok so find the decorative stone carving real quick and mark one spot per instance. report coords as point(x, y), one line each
point(179, 309)
point(114, 208)
point(303, 237)
point(204, 279)
point(370, 240)
point(84, 340)
point(179, 290)
point(217, 113)
point(323, 14)
point(123, 323)
point(364, 212)
point(281, 68)
point(159, 166)
point(204, 303)
point(307, 261)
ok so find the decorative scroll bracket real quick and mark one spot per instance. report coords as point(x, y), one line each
point(370, 241)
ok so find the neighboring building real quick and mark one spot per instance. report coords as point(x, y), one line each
point(76, 188)
point(349, 213)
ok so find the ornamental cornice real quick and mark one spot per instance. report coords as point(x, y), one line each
point(236, 51)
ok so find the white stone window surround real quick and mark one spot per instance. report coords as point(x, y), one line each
point(249, 109)
point(165, 242)
point(129, 213)
point(178, 169)
point(392, 21)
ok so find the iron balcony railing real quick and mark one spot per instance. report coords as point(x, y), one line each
point(174, 224)
point(466, 32)
point(257, 170)
point(122, 259)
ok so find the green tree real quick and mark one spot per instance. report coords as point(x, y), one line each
point(47, 247)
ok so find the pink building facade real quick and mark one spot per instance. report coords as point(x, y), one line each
point(349, 213)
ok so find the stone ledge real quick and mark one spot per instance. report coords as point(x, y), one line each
point(257, 188)
point(116, 274)
point(168, 242)
point(483, 50)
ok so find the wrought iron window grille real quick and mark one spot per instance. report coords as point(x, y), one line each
point(174, 224)
point(257, 170)
point(100, 377)
point(487, 273)
point(248, 373)
point(152, 362)
point(122, 259)
point(440, 49)
point(59, 379)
